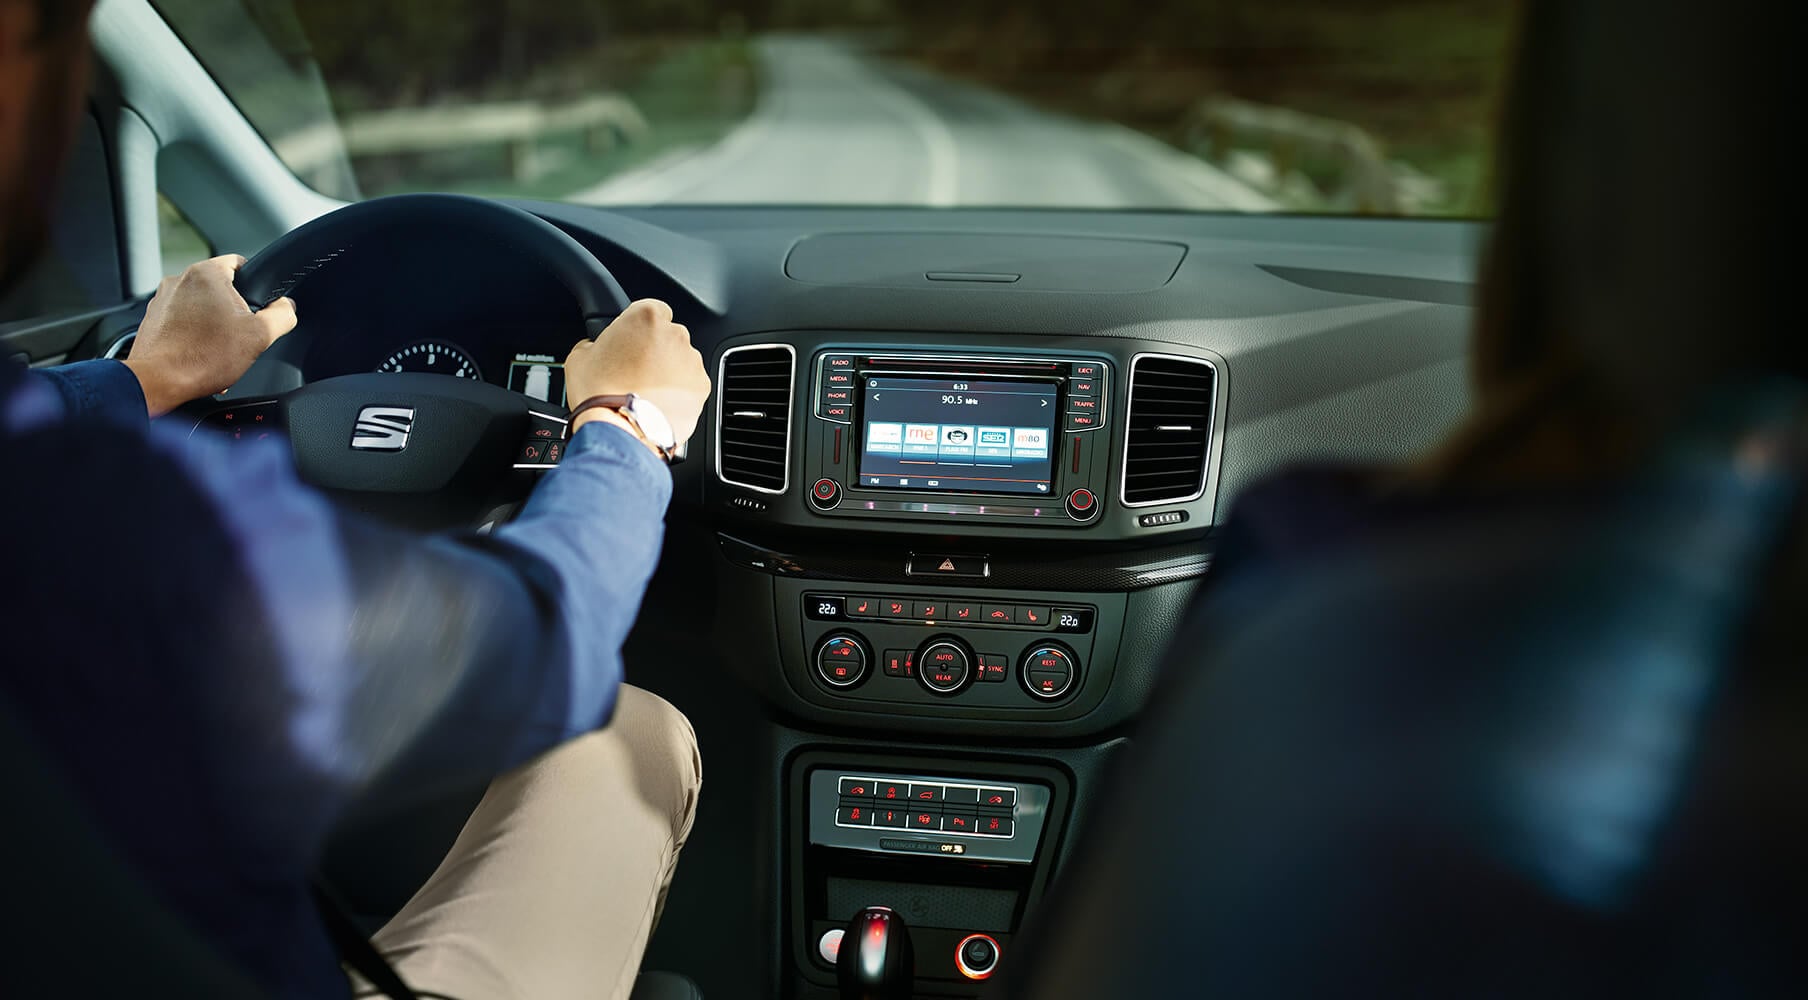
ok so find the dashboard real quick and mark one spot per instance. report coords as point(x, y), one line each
point(1013, 433)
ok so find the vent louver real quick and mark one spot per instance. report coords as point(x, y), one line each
point(753, 416)
point(1168, 432)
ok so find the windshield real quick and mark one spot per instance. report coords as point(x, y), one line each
point(1380, 107)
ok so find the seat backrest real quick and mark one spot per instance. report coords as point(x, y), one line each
point(1523, 748)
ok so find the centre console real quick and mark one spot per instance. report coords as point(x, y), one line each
point(949, 564)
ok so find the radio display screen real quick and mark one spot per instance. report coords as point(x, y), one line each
point(961, 435)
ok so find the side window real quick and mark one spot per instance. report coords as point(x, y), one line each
point(177, 239)
point(78, 268)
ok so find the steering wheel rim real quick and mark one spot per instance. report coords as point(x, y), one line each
point(426, 450)
point(277, 269)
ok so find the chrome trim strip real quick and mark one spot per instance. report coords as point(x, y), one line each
point(1205, 465)
point(790, 423)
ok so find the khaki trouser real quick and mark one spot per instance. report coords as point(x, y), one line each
point(559, 876)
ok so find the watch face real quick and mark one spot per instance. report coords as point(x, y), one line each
point(653, 423)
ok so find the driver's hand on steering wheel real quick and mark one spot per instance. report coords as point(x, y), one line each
point(645, 353)
point(199, 335)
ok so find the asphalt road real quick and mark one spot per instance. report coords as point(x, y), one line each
point(835, 127)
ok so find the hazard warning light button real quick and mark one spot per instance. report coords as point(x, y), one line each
point(943, 564)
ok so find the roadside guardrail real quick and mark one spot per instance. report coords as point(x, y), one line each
point(1218, 126)
point(606, 121)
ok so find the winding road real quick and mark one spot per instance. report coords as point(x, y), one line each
point(835, 127)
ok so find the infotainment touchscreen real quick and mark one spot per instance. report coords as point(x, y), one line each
point(962, 435)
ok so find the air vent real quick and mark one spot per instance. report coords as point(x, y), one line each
point(753, 416)
point(1168, 438)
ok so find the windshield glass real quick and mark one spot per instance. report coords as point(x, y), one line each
point(1379, 107)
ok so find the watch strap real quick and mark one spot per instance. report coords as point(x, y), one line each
point(622, 404)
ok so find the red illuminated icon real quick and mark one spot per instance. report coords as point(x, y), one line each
point(857, 790)
point(1048, 685)
point(896, 608)
point(957, 822)
point(891, 791)
point(855, 815)
point(841, 671)
point(889, 816)
point(1001, 615)
point(927, 793)
point(993, 825)
point(930, 611)
point(925, 819)
point(862, 608)
point(542, 432)
point(1031, 615)
point(994, 800)
point(531, 452)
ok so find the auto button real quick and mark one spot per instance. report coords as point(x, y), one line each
point(944, 666)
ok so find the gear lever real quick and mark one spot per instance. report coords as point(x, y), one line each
point(876, 961)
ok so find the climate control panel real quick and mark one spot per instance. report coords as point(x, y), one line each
point(901, 646)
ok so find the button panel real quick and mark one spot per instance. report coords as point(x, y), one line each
point(963, 809)
point(957, 823)
point(946, 611)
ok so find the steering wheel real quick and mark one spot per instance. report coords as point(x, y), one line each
point(424, 449)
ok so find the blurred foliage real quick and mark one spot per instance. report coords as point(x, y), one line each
point(1420, 75)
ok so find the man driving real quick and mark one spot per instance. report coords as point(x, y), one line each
point(220, 662)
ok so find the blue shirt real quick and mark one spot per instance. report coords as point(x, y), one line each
point(221, 661)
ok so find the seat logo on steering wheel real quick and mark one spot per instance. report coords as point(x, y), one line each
point(383, 428)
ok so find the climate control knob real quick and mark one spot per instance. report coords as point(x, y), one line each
point(842, 659)
point(944, 665)
point(1050, 671)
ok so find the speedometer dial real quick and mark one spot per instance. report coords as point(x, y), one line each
point(432, 356)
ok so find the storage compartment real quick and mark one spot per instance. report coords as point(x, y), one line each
point(991, 263)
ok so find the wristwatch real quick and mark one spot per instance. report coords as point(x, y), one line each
point(644, 416)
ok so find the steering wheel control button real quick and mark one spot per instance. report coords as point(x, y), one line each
point(824, 608)
point(938, 564)
point(944, 668)
point(1049, 672)
point(1082, 505)
point(977, 956)
point(898, 662)
point(826, 494)
point(841, 661)
point(1071, 619)
point(993, 667)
